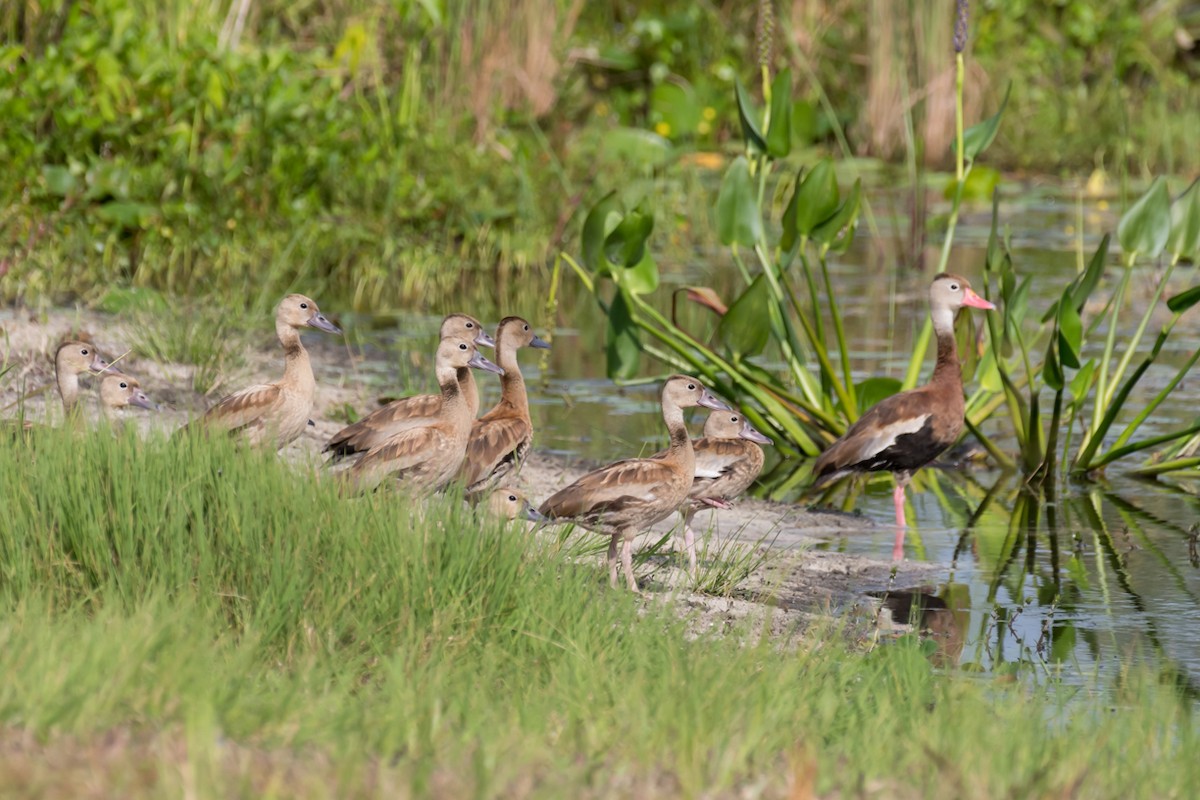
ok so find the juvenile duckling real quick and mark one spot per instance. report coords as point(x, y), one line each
point(276, 413)
point(510, 504)
point(626, 497)
point(501, 438)
point(117, 393)
point(427, 457)
point(410, 412)
point(727, 462)
point(72, 359)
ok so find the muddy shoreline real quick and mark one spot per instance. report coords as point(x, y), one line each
point(797, 583)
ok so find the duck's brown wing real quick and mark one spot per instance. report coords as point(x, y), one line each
point(725, 467)
point(494, 443)
point(868, 440)
point(244, 409)
point(381, 424)
point(405, 451)
point(609, 489)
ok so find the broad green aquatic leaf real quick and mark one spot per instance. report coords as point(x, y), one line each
point(1052, 373)
point(1184, 300)
point(980, 183)
point(1070, 331)
point(872, 390)
point(641, 278)
point(59, 180)
point(625, 246)
point(988, 373)
point(637, 148)
point(739, 220)
point(755, 142)
point(674, 104)
point(745, 329)
point(1081, 384)
point(814, 201)
point(621, 343)
point(1062, 643)
point(1184, 241)
point(779, 134)
point(842, 223)
point(599, 223)
point(1144, 228)
point(980, 136)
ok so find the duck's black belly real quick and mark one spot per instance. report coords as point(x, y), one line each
point(909, 452)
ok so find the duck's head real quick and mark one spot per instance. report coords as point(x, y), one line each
point(685, 391)
point(461, 352)
point(520, 332)
point(79, 357)
point(464, 326)
point(299, 311)
point(953, 292)
point(119, 391)
point(510, 505)
point(732, 425)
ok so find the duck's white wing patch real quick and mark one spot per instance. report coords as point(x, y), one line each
point(884, 437)
point(709, 471)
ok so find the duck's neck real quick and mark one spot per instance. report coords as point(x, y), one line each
point(947, 370)
point(452, 393)
point(297, 372)
point(512, 383)
point(470, 392)
point(113, 416)
point(68, 387)
point(681, 442)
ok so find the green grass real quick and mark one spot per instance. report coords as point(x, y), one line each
point(238, 630)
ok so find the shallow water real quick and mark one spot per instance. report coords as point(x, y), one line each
point(1075, 587)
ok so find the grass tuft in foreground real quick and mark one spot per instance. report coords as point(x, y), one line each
point(188, 617)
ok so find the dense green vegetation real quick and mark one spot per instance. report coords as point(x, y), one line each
point(377, 151)
point(250, 648)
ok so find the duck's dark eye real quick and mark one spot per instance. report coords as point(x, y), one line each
point(304, 305)
point(954, 287)
point(124, 385)
point(733, 419)
point(691, 387)
point(512, 498)
point(83, 352)
point(462, 347)
point(470, 324)
point(526, 327)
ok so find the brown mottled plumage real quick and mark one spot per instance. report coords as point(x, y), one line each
point(626, 497)
point(906, 431)
point(427, 457)
point(276, 413)
point(727, 462)
point(500, 439)
point(410, 412)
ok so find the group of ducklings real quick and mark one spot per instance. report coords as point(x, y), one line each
point(426, 442)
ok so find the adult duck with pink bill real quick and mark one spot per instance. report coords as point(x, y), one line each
point(908, 430)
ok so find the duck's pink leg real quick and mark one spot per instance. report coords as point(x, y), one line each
point(898, 500)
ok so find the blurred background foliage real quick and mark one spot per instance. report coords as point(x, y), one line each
point(381, 151)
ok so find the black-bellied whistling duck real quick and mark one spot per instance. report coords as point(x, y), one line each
point(623, 498)
point(427, 457)
point(501, 438)
point(71, 360)
point(906, 431)
point(510, 504)
point(410, 412)
point(728, 459)
point(118, 392)
point(275, 413)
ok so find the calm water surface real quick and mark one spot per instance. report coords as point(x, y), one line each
point(1074, 586)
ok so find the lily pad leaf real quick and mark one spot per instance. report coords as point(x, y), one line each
point(980, 136)
point(1144, 228)
point(744, 329)
point(754, 138)
point(625, 246)
point(739, 220)
point(779, 134)
point(621, 344)
point(599, 223)
point(641, 278)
